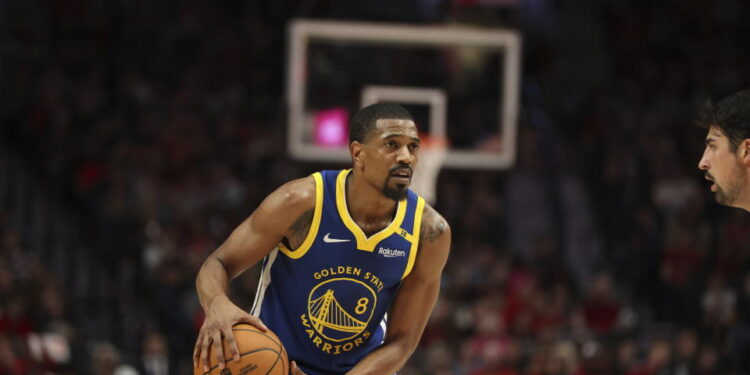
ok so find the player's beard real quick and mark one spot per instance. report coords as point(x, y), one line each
point(735, 186)
point(398, 193)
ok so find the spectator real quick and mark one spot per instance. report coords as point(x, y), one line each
point(157, 127)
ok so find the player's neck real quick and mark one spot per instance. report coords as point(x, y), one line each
point(744, 201)
point(365, 202)
point(743, 204)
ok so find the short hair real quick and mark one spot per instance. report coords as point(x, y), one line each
point(731, 115)
point(363, 122)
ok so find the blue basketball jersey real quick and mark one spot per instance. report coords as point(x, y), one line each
point(327, 300)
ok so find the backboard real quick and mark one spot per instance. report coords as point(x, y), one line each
point(466, 79)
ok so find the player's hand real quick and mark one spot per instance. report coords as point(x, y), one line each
point(221, 315)
point(294, 370)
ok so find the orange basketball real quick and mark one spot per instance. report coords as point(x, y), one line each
point(260, 353)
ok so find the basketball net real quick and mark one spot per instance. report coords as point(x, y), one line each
point(431, 156)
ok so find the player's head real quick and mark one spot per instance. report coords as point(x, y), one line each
point(726, 158)
point(384, 146)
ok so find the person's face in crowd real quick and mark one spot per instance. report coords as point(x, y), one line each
point(724, 167)
point(686, 344)
point(389, 155)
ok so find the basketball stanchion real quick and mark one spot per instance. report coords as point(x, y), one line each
point(431, 156)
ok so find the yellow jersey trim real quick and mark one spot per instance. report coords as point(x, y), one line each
point(313, 232)
point(415, 237)
point(363, 242)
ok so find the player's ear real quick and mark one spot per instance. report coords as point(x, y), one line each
point(356, 150)
point(745, 151)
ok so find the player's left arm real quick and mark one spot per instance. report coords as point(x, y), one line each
point(415, 300)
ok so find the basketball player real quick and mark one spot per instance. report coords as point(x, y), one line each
point(726, 158)
point(351, 259)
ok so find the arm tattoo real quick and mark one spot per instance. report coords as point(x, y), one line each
point(300, 227)
point(435, 226)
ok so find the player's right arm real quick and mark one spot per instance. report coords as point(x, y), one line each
point(285, 213)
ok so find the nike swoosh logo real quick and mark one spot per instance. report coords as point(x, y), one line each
point(328, 239)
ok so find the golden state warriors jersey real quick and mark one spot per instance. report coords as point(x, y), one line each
point(327, 300)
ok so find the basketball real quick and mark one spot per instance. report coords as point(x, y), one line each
point(260, 353)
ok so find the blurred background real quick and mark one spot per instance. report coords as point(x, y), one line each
point(135, 135)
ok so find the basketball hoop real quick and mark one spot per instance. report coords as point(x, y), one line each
point(431, 157)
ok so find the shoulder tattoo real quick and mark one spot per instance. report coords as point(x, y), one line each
point(433, 225)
